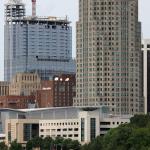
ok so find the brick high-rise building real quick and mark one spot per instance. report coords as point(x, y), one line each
point(109, 57)
point(57, 92)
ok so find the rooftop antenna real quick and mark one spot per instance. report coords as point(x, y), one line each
point(33, 8)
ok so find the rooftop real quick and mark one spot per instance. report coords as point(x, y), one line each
point(10, 2)
point(41, 19)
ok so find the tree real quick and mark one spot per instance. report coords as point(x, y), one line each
point(139, 139)
point(29, 145)
point(58, 143)
point(97, 143)
point(132, 136)
point(116, 138)
point(3, 146)
point(15, 146)
point(37, 142)
point(140, 121)
point(85, 147)
point(47, 143)
point(75, 145)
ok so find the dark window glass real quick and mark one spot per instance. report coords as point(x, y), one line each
point(148, 45)
point(93, 128)
point(82, 129)
point(27, 132)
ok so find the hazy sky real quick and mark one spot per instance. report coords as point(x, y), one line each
point(61, 8)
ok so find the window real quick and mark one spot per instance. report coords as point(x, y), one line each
point(75, 129)
point(105, 129)
point(104, 123)
point(65, 129)
point(92, 128)
point(41, 130)
point(148, 45)
point(82, 129)
point(70, 129)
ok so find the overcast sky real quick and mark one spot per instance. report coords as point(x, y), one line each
point(61, 8)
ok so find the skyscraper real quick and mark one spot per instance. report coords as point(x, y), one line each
point(109, 59)
point(146, 73)
point(36, 44)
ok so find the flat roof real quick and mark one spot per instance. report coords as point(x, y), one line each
point(9, 109)
point(40, 19)
point(84, 108)
point(48, 108)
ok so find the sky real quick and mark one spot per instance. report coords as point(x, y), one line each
point(61, 8)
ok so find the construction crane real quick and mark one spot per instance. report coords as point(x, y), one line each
point(33, 8)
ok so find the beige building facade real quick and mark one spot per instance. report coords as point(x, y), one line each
point(83, 125)
point(109, 57)
point(4, 88)
point(146, 73)
point(21, 129)
point(25, 84)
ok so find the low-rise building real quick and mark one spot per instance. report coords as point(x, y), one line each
point(82, 124)
point(16, 102)
point(21, 129)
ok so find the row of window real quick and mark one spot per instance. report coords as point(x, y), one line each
point(58, 130)
point(113, 123)
point(146, 46)
point(64, 135)
point(59, 124)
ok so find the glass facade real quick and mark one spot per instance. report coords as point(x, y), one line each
point(41, 45)
point(92, 128)
point(82, 129)
point(27, 132)
point(30, 131)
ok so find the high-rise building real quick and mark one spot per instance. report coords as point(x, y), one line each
point(57, 92)
point(36, 44)
point(146, 73)
point(109, 57)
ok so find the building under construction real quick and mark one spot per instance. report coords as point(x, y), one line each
point(36, 44)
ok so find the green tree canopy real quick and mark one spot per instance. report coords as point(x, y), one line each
point(132, 136)
point(15, 146)
point(3, 146)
